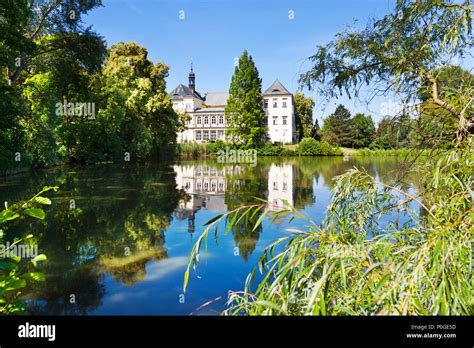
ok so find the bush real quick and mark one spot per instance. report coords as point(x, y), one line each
point(270, 149)
point(312, 147)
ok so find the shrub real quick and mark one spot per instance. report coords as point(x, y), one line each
point(312, 147)
point(270, 149)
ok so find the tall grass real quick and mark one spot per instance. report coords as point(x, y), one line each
point(352, 265)
point(403, 152)
point(195, 150)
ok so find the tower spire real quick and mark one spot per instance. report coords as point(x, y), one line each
point(192, 79)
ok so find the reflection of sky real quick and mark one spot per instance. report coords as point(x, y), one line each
point(219, 269)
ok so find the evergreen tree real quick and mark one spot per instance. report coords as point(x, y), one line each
point(315, 131)
point(337, 127)
point(244, 112)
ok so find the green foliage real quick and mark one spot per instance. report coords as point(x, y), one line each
point(337, 128)
point(350, 264)
point(303, 115)
point(244, 112)
point(362, 130)
point(393, 133)
point(16, 273)
point(312, 147)
point(136, 115)
point(270, 149)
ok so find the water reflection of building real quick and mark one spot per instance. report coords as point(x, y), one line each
point(205, 187)
point(280, 185)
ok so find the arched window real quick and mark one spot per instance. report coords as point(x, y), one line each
point(221, 119)
point(206, 119)
point(198, 120)
point(213, 120)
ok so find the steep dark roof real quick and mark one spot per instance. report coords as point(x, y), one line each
point(276, 89)
point(183, 91)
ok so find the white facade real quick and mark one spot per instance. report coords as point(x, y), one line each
point(281, 118)
point(207, 113)
point(280, 185)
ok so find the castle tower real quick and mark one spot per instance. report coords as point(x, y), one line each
point(192, 79)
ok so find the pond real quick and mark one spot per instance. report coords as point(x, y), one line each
point(118, 237)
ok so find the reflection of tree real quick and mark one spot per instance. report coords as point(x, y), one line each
point(242, 188)
point(118, 210)
point(131, 269)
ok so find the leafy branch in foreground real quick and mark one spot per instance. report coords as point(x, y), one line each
point(14, 274)
point(350, 264)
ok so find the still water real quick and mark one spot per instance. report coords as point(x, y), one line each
point(118, 237)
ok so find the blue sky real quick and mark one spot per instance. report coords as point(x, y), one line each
point(214, 32)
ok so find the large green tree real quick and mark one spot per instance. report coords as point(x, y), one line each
point(337, 127)
point(136, 114)
point(362, 130)
point(303, 115)
point(399, 53)
point(244, 112)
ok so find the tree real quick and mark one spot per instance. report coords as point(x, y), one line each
point(244, 112)
point(399, 53)
point(435, 127)
point(303, 115)
point(315, 131)
point(337, 127)
point(136, 113)
point(40, 19)
point(362, 130)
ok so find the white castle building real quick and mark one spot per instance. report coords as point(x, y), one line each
point(207, 118)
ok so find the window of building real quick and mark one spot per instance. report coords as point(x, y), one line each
point(284, 102)
point(206, 185)
point(213, 135)
point(198, 135)
point(198, 120)
point(198, 185)
point(213, 120)
point(221, 119)
point(213, 185)
point(220, 134)
point(275, 102)
point(285, 120)
point(275, 186)
point(265, 103)
point(275, 120)
point(285, 186)
point(206, 120)
point(205, 135)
